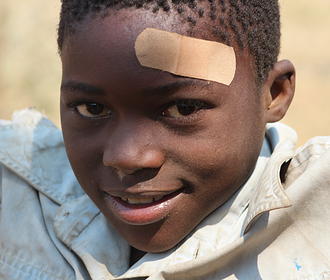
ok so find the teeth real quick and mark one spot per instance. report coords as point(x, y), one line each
point(142, 200)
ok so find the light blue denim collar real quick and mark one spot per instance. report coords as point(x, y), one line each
point(32, 147)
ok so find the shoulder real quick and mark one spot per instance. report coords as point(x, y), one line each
point(31, 147)
point(27, 132)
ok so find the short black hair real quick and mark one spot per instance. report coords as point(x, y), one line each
point(254, 24)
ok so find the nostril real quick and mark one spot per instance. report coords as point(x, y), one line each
point(140, 176)
point(124, 172)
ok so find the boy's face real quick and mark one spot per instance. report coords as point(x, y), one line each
point(156, 152)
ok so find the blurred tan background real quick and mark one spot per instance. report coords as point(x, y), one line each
point(30, 67)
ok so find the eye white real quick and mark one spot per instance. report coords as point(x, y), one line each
point(93, 110)
point(183, 108)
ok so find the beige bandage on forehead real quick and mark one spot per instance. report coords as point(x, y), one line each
point(186, 56)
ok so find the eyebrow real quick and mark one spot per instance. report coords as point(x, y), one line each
point(172, 87)
point(74, 86)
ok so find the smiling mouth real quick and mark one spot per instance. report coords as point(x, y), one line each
point(141, 200)
point(145, 200)
point(141, 209)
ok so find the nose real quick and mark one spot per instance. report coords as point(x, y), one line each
point(130, 149)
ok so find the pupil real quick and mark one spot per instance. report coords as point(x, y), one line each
point(94, 108)
point(186, 108)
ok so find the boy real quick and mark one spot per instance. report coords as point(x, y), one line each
point(164, 108)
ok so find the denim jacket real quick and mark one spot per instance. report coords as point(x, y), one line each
point(270, 228)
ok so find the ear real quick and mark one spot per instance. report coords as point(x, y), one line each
point(279, 90)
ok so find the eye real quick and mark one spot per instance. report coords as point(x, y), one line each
point(93, 110)
point(182, 108)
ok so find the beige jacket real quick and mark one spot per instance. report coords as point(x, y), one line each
point(49, 229)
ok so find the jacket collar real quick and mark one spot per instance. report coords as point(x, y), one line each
point(269, 193)
point(32, 147)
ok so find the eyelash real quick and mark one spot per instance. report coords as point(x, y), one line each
point(192, 107)
point(75, 107)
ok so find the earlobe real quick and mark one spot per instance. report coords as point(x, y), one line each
point(279, 87)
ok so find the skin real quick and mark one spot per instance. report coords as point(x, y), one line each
point(140, 144)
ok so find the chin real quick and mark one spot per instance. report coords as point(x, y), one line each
point(154, 238)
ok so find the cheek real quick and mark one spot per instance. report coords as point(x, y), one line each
point(84, 153)
point(85, 164)
point(228, 146)
point(218, 164)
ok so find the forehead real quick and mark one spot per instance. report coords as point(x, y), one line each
point(102, 48)
point(120, 28)
point(133, 19)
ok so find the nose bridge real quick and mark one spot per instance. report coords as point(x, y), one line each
point(132, 146)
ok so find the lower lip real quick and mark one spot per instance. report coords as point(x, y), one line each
point(141, 214)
